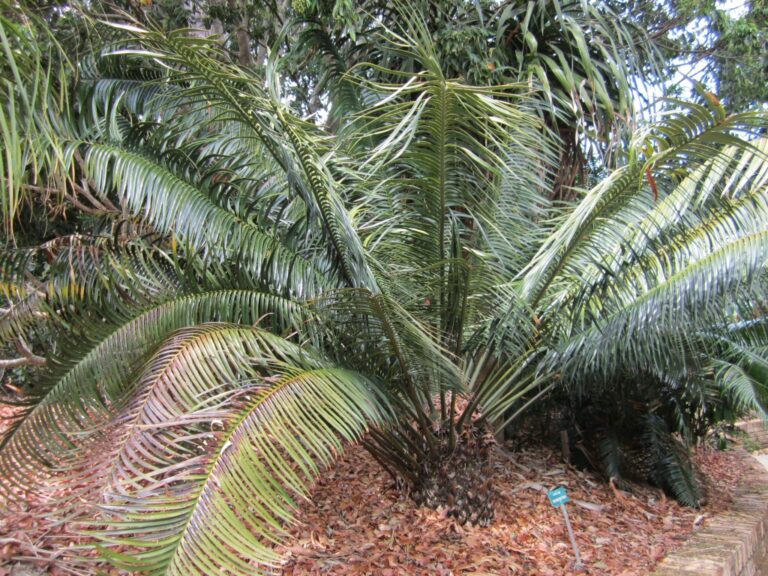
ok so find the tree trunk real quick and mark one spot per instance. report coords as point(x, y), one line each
point(243, 37)
point(571, 167)
point(458, 478)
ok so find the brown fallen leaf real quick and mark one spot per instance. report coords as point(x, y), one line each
point(591, 506)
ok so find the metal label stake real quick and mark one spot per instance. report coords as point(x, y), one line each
point(558, 497)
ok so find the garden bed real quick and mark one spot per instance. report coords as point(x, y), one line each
point(359, 524)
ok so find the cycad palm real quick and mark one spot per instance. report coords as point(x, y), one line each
point(279, 291)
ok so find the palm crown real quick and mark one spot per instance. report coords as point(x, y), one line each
point(252, 292)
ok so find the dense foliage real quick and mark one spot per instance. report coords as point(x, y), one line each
point(235, 281)
point(720, 45)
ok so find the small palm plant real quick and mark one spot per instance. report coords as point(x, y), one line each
point(248, 293)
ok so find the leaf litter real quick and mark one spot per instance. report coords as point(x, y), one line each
point(357, 524)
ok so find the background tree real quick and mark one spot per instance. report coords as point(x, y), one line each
point(720, 45)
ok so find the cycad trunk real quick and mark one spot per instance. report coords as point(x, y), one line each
point(458, 476)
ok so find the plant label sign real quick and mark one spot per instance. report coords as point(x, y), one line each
point(558, 496)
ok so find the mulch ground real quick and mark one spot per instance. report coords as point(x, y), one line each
point(357, 523)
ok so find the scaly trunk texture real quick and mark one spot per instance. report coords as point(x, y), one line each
point(459, 478)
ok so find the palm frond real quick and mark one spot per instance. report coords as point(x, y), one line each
point(34, 111)
point(293, 144)
point(581, 54)
point(659, 323)
point(714, 203)
point(88, 385)
point(187, 496)
point(671, 464)
point(171, 204)
point(435, 156)
point(680, 143)
point(344, 97)
point(745, 385)
point(77, 275)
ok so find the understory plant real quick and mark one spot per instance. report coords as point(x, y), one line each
point(246, 292)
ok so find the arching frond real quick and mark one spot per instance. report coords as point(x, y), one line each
point(655, 326)
point(698, 213)
point(89, 385)
point(173, 205)
point(293, 144)
point(695, 137)
point(746, 385)
point(211, 480)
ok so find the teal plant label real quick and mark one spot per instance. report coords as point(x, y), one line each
point(558, 496)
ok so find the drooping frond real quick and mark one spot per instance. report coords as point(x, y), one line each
point(156, 117)
point(82, 275)
point(107, 83)
point(296, 146)
point(724, 197)
point(741, 366)
point(657, 324)
point(744, 382)
point(88, 385)
point(172, 205)
point(206, 480)
point(34, 96)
